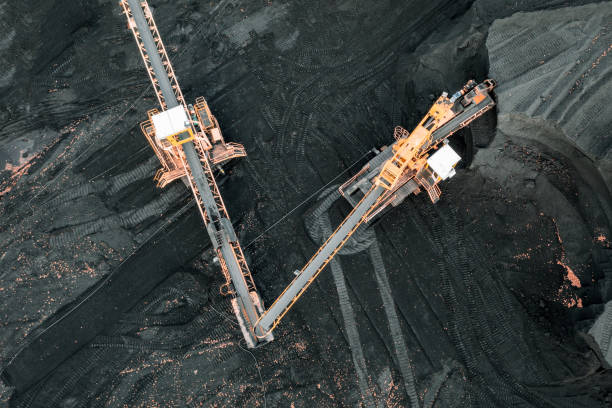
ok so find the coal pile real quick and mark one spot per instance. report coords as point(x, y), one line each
point(498, 295)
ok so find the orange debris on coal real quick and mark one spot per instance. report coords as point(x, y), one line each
point(565, 296)
point(571, 276)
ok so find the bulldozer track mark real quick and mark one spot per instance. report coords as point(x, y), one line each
point(432, 394)
point(480, 389)
point(456, 254)
point(401, 352)
point(26, 400)
point(606, 334)
point(350, 324)
point(190, 333)
point(128, 219)
point(79, 372)
point(110, 186)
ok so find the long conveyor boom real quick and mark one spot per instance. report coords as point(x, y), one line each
point(198, 170)
point(414, 160)
point(157, 71)
point(319, 261)
point(406, 160)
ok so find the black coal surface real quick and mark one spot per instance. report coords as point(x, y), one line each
point(109, 290)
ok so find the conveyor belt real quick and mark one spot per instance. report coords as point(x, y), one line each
point(461, 120)
point(153, 54)
point(318, 262)
point(202, 182)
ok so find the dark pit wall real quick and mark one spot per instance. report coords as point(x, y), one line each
point(535, 213)
point(524, 288)
point(308, 88)
point(555, 95)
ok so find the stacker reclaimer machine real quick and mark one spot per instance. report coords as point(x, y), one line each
point(188, 141)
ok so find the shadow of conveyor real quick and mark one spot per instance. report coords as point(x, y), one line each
point(169, 248)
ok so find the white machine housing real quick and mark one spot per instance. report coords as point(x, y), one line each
point(170, 122)
point(443, 162)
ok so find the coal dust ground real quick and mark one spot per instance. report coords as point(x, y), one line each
point(497, 296)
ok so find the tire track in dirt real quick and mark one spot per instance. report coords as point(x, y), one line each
point(127, 219)
point(401, 352)
point(455, 255)
point(477, 392)
point(350, 323)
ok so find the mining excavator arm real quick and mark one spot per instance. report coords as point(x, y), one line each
point(416, 160)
